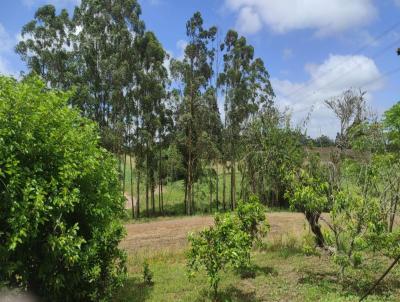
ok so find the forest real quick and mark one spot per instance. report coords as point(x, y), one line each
point(128, 174)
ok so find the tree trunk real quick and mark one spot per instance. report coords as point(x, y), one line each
point(193, 207)
point(217, 190)
point(133, 206)
point(153, 202)
point(312, 219)
point(162, 197)
point(210, 193)
point(124, 175)
point(224, 188)
point(147, 186)
point(393, 214)
point(233, 185)
point(159, 183)
point(189, 194)
point(137, 192)
point(185, 201)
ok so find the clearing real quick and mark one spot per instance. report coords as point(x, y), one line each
point(172, 233)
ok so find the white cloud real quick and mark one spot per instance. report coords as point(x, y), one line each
point(325, 17)
point(336, 74)
point(248, 21)
point(5, 67)
point(181, 45)
point(397, 2)
point(7, 44)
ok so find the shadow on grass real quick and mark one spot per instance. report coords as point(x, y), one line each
point(134, 290)
point(266, 270)
point(254, 270)
point(355, 283)
point(229, 294)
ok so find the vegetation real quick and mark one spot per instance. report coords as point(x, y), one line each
point(60, 198)
point(228, 242)
point(104, 115)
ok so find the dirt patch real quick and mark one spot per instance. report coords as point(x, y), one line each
point(173, 233)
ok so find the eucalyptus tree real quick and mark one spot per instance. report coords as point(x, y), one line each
point(90, 52)
point(194, 71)
point(46, 47)
point(213, 140)
point(247, 88)
point(105, 34)
point(152, 79)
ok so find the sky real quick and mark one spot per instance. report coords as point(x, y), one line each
point(313, 49)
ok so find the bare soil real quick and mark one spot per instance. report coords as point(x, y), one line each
point(173, 233)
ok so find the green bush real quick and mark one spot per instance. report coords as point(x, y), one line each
point(147, 274)
point(228, 242)
point(60, 199)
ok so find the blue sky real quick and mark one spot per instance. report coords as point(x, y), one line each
point(313, 49)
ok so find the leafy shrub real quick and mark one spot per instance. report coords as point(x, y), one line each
point(308, 192)
point(60, 199)
point(228, 242)
point(147, 274)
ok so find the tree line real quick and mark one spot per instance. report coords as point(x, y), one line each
point(156, 115)
point(170, 119)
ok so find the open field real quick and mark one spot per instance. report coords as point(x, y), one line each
point(167, 233)
point(283, 271)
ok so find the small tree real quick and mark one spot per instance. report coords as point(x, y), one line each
point(350, 109)
point(308, 192)
point(60, 199)
point(228, 242)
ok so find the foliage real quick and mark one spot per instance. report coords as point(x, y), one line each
point(272, 150)
point(228, 242)
point(147, 274)
point(350, 109)
point(308, 192)
point(247, 89)
point(323, 141)
point(392, 124)
point(198, 116)
point(352, 222)
point(60, 199)
point(91, 51)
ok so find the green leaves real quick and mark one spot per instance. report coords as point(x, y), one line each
point(392, 123)
point(307, 192)
point(60, 201)
point(228, 242)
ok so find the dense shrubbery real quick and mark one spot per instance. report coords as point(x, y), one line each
point(60, 198)
point(228, 242)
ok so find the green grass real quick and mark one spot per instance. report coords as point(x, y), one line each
point(290, 276)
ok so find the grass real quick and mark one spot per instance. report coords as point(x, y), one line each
point(283, 273)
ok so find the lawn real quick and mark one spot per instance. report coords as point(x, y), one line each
point(281, 275)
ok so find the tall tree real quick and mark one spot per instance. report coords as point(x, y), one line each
point(91, 51)
point(151, 92)
point(46, 47)
point(195, 71)
point(245, 81)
